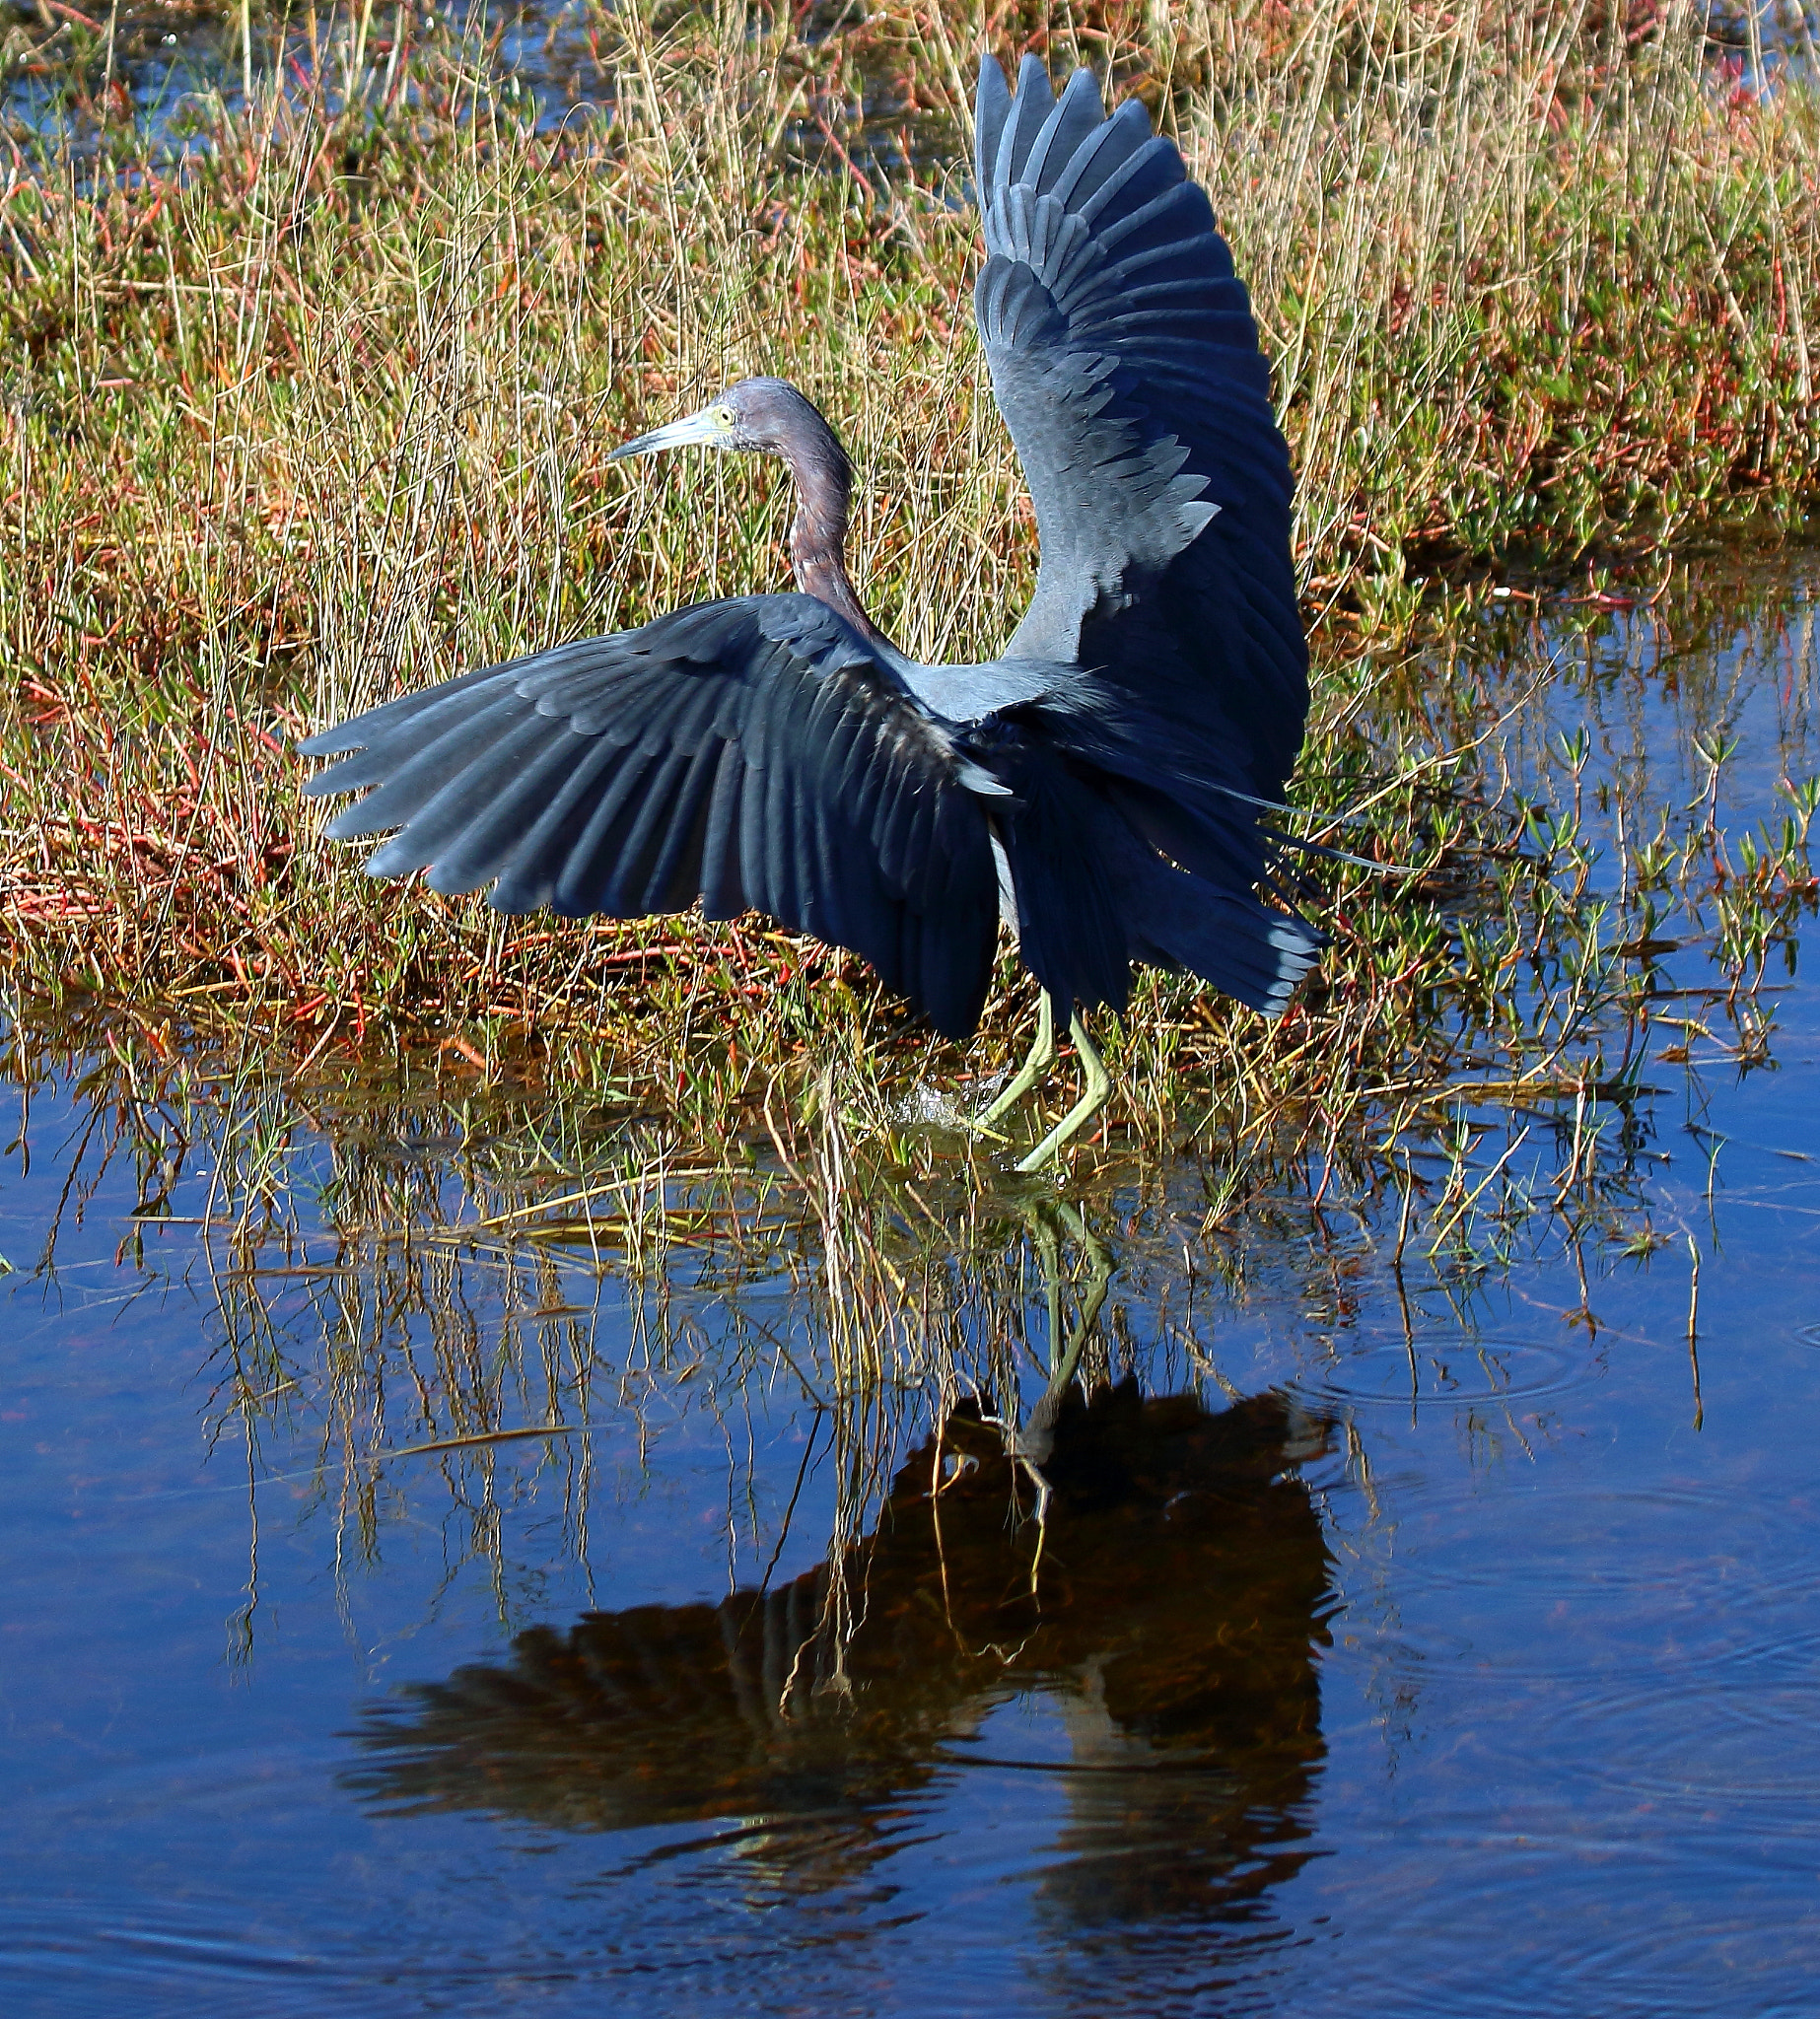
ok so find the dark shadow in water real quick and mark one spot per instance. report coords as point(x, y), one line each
point(1183, 1584)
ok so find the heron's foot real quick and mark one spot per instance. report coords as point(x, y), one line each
point(1041, 1517)
point(1026, 1453)
point(1041, 1055)
point(1093, 1098)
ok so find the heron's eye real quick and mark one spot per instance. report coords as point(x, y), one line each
point(728, 418)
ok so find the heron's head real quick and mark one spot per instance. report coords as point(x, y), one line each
point(768, 415)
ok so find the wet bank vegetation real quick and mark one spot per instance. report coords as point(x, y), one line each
point(309, 396)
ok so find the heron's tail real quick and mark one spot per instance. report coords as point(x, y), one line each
point(1101, 880)
point(1229, 939)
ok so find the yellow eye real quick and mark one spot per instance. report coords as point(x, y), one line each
point(727, 417)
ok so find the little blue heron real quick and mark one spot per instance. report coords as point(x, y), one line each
point(1097, 785)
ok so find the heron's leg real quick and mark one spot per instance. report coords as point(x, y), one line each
point(1042, 1053)
point(1093, 1301)
point(1031, 1445)
point(1093, 1098)
point(1039, 1433)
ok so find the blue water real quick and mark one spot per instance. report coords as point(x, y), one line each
point(177, 72)
point(164, 80)
point(1472, 1667)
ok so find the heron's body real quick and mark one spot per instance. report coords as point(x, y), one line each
point(1098, 782)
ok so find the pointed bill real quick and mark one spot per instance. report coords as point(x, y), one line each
point(711, 427)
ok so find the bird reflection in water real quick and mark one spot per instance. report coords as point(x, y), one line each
point(1183, 1584)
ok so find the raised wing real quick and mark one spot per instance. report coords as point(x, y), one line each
point(753, 753)
point(1126, 363)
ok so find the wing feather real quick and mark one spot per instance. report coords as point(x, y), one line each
point(494, 819)
point(1077, 118)
point(1029, 110)
point(585, 874)
point(753, 751)
point(1126, 362)
point(448, 740)
point(722, 894)
point(638, 852)
point(675, 879)
point(529, 883)
point(448, 809)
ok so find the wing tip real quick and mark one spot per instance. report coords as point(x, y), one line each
point(991, 98)
point(335, 743)
point(393, 858)
point(1034, 71)
point(352, 824)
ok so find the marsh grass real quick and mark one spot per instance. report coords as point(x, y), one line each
point(419, 1304)
point(434, 1294)
point(324, 412)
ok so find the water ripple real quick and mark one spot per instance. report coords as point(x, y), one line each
point(1736, 1751)
point(1685, 1585)
point(1452, 1371)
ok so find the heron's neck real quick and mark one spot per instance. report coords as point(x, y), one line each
point(818, 533)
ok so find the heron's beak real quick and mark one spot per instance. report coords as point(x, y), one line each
point(703, 430)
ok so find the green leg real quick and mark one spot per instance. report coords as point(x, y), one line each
point(1031, 1445)
point(1093, 1098)
point(1039, 1433)
point(1042, 1055)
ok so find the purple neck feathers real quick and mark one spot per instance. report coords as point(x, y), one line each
point(818, 535)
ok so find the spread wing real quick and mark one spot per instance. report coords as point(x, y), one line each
point(755, 753)
point(1126, 363)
